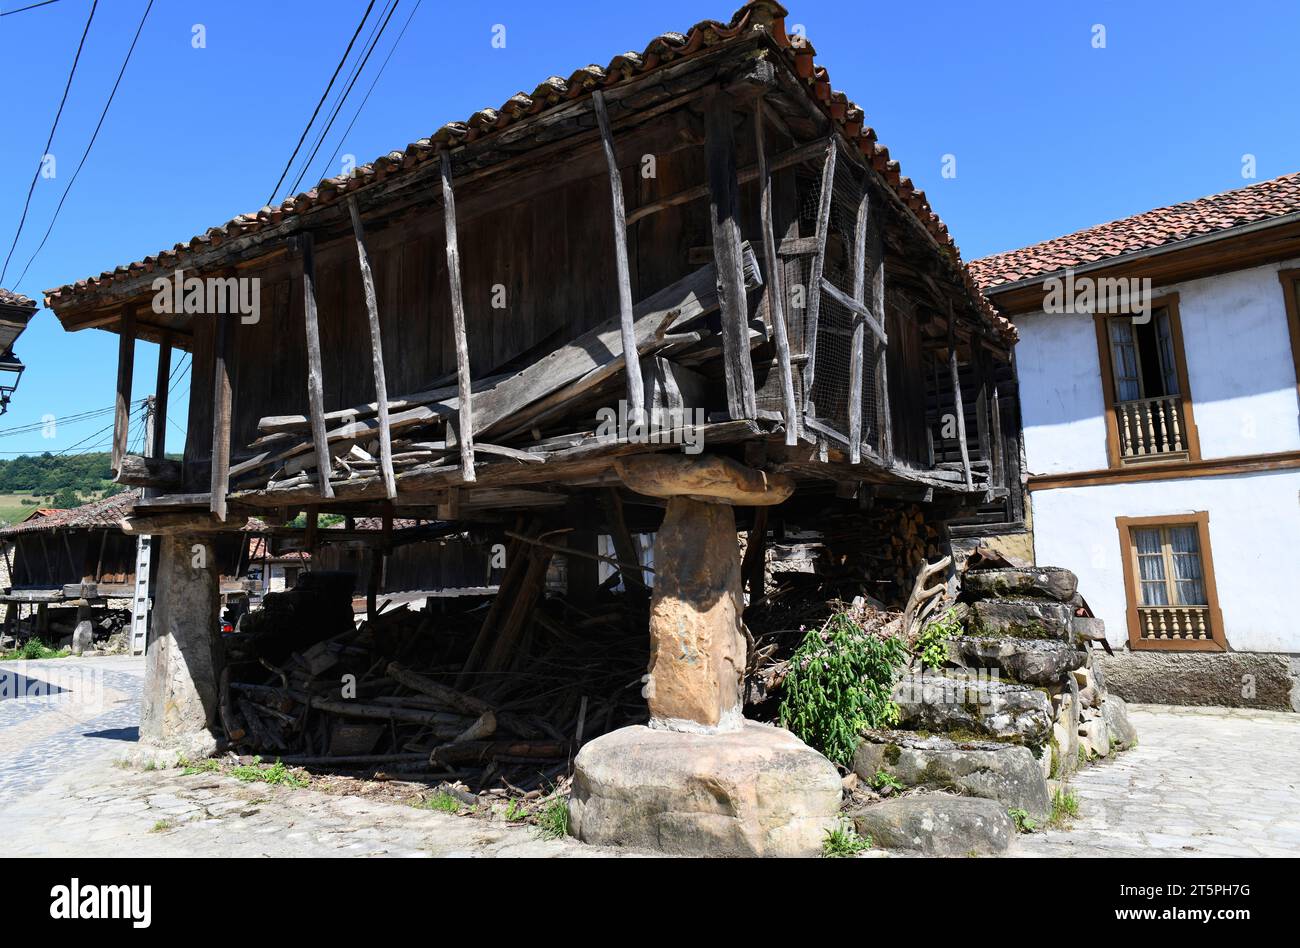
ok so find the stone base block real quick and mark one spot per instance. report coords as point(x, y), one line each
point(147, 753)
point(937, 824)
point(759, 791)
point(1224, 679)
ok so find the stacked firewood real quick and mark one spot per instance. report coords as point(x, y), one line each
point(399, 692)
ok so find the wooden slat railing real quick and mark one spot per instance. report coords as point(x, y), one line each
point(1151, 427)
point(1175, 623)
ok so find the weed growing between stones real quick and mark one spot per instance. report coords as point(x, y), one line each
point(277, 774)
point(553, 821)
point(844, 841)
point(33, 650)
point(883, 778)
point(931, 645)
point(1024, 822)
point(516, 810)
point(163, 826)
point(1065, 807)
point(207, 766)
point(441, 801)
point(839, 684)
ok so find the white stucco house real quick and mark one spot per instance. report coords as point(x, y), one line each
point(1162, 435)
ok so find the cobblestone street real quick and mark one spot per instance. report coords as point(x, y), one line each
point(1202, 782)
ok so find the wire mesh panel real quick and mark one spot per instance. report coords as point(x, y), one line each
point(829, 403)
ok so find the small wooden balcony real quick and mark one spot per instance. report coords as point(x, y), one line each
point(1151, 429)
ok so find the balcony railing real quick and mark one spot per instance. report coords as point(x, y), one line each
point(1175, 623)
point(1151, 427)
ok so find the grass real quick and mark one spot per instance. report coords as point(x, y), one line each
point(163, 826)
point(553, 821)
point(441, 801)
point(276, 774)
point(1024, 822)
point(1065, 807)
point(516, 810)
point(207, 766)
point(33, 650)
point(843, 842)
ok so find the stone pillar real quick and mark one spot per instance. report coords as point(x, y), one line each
point(83, 636)
point(180, 686)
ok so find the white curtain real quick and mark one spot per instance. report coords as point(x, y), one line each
point(1151, 567)
point(1189, 585)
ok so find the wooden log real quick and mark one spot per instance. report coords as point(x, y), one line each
point(775, 289)
point(162, 382)
point(463, 383)
point(457, 700)
point(125, 367)
point(219, 481)
point(815, 279)
point(484, 751)
point(315, 379)
point(724, 210)
point(624, 545)
point(376, 351)
point(885, 423)
point(631, 363)
point(861, 317)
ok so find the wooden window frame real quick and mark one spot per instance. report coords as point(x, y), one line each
point(1218, 641)
point(1113, 453)
point(1291, 294)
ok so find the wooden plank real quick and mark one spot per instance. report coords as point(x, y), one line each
point(862, 317)
point(724, 215)
point(125, 367)
point(956, 396)
point(315, 380)
point(219, 483)
point(775, 290)
point(632, 365)
point(463, 383)
point(157, 445)
point(815, 281)
point(886, 423)
point(857, 307)
point(376, 352)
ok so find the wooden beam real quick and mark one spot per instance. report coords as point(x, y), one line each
point(137, 471)
point(157, 445)
point(855, 306)
point(886, 425)
point(219, 482)
point(813, 290)
point(775, 289)
point(632, 365)
point(315, 382)
point(466, 412)
point(956, 396)
point(724, 208)
point(125, 367)
point(376, 352)
point(861, 318)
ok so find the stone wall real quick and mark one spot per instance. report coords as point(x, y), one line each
point(1223, 679)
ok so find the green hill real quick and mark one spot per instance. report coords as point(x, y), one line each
point(49, 480)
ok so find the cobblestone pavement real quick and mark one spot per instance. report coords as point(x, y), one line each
point(1201, 782)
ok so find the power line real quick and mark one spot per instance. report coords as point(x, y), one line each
point(33, 6)
point(373, 83)
point(35, 177)
point(91, 144)
point(68, 420)
point(324, 95)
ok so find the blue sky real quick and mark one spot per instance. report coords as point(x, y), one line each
point(1049, 133)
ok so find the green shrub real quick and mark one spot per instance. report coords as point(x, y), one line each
point(838, 685)
point(1024, 822)
point(883, 778)
point(844, 841)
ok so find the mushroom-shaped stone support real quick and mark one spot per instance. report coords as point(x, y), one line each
point(697, 643)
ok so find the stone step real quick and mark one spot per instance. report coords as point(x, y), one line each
point(991, 770)
point(1023, 619)
point(974, 706)
point(1029, 661)
point(937, 824)
point(1045, 582)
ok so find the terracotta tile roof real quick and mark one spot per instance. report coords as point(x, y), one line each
point(10, 298)
point(257, 549)
point(1164, 225)
point(764, 15)
point(109, 512)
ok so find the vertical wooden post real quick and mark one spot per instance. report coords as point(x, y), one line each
point(376, 352)
point(221, 399)
point(466, 434)
point(315, 383)
point(724, 214)
point(775, 289)
point(813, 289)
point(859, 326)
point(162, 382)
point(125, 367)
point(956, 395)
point(631, 359)
point(882, 363)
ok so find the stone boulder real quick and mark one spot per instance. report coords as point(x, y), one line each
point(1095, 735)
point(1048, 582)
point(1123, 735)
point(937, 824)
point(1031, 661)
point(1088, 629)
point(978, 706)
point(759, 791)
point(1022, 619)
point(990, 770)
